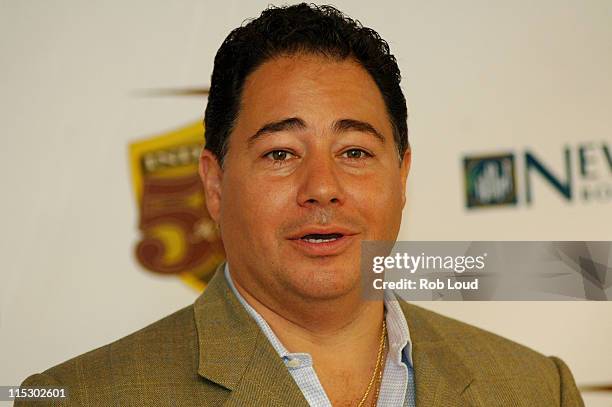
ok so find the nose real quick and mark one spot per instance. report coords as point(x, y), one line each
point(319, 183)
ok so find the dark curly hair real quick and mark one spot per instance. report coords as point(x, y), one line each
point(302, 28)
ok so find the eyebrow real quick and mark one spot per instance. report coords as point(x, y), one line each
point(292, 123)
point(295, 123)
point(358, 125)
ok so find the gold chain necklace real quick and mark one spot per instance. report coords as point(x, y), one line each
point(378, 369)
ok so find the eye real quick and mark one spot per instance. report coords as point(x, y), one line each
point(356, 154)
point(279, 155)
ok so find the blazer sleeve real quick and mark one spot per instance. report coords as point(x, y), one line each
point(570, 395)
point(43, 380)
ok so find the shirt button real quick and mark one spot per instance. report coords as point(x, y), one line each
point(294, 363)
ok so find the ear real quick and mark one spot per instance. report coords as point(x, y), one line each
point(211, 174)
point(404, 170)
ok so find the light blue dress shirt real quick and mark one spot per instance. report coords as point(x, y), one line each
point(397, 387)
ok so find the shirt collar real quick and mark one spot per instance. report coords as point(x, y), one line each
point(263, 325)
point(397, 328)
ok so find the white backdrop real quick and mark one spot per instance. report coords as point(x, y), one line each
point(479, 77)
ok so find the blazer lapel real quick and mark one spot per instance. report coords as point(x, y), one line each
point(441, 377)
point(266, 381)
point(235, 354)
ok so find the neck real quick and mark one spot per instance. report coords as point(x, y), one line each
point(343, 336)
point(347, 323)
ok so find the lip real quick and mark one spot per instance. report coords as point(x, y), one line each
point(330, 248)
point(319, 230)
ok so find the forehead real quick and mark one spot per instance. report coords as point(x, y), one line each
point(317, 88)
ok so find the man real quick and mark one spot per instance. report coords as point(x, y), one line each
point(307, 156)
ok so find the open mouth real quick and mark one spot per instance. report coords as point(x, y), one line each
point(321, 238)
point(323, 242)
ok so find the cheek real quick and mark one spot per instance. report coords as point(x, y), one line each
point(254, 207)
point(379, 202)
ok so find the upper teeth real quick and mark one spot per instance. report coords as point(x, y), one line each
point(321, 240)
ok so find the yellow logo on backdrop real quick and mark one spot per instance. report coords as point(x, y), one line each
point(178, 235)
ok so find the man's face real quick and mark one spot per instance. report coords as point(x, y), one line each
point(312, 170)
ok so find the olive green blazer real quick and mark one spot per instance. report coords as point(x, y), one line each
point(213, 354)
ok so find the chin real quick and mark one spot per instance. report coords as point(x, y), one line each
point(324, 282)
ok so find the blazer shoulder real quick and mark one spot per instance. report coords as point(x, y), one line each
point(491, 358)
point(165, 351)
point(476, 345)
